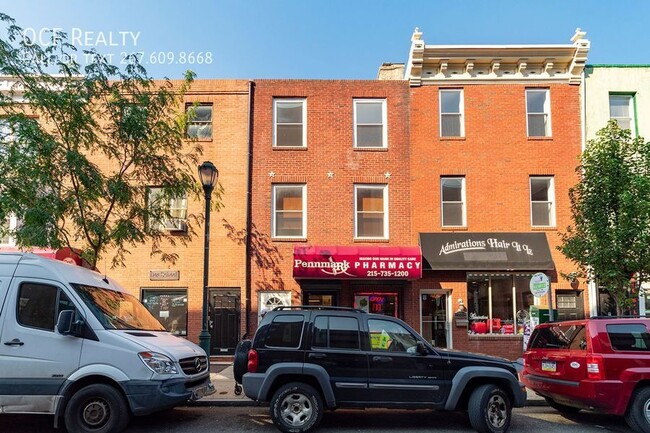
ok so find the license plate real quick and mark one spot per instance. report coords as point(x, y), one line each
point(549, 366)
point(203, 391)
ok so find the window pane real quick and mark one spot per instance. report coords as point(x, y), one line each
point(539, 189)
point(502, 313)
point(169, 307)
point(524, 299)
point(558, 337)
point(289, 111)
point(390, 337)
point(289, 135)
point(450, 125)
point(288, 198)
point(450, 102)
point(320, 332)
point(285, 331)
point(629, 337)
point(478, 303)
point(370, 136)
point(370, 199)
point(37, 306)
point(369, 112)
point(288, 224)
point(370, 225)
point(344, 333)
point(535, 101)
point(452, 189)
point(452, 214)
point(624, 123)
point(619, 106)
point(537, 125)
point(202, 113)
point(541, 214)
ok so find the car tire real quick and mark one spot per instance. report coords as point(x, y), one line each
point(561, 407)
point(489, 409)
point(97, 408)
point(638, 412)
point(296, 408)
point(240, 360)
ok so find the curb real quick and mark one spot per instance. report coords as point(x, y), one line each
point(250, 403)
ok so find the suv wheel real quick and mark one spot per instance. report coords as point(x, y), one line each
point(296, 408)
point(638, 413)
point(561, 407)
point(489, 409)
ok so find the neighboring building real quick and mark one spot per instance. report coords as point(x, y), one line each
point(616, 92)
point(495, 139)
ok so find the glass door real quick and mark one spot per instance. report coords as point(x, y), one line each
point(434, 319)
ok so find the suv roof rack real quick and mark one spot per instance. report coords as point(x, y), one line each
point(625, 316)
point(316, 307)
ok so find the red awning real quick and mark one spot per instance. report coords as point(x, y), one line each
point(357, 262)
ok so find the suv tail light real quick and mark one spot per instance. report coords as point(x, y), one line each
point(252, 361)
point(595, 367)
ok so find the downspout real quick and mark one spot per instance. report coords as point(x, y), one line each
point(249, 201)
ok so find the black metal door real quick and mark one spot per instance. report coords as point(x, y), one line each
point(570, 305)
point(225, 321)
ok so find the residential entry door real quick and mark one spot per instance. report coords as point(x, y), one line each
point(434, 315)
point(225, 320)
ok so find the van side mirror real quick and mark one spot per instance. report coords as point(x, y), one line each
point(66, 324)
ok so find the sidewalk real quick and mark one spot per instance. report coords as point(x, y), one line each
point(225, 396)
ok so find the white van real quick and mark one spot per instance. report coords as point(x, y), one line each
point(77, 346)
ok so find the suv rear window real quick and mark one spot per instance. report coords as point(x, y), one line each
point(629, 337)
point(559, 337)
point(285, 331)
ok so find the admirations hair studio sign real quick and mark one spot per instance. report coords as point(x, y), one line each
point(343, 262)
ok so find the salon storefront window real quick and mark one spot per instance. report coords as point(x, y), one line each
point(498, 303)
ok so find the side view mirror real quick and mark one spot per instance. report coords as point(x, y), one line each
point(421, 348)
point(66, 324)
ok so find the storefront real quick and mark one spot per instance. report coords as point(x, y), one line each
point(376, 279)
point(486, 278)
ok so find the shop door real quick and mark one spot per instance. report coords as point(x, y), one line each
point(225, 321)
point(435, 321)
point(570, 305)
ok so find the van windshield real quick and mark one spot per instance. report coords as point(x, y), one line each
point(117, 310)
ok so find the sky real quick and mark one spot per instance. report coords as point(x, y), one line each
point(324, 39)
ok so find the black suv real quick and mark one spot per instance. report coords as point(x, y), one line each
point(304, 360)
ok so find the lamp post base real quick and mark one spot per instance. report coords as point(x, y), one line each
point(204, 341)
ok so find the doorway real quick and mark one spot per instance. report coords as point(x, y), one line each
point(225, 317)
point(570, 305)
point(435, 321)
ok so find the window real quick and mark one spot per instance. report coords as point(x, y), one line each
point(451, 113)
point(386, 336)
point(621, 109)
point(176, 208)
point(538, 111)
point(560, 337)
point(10, 224)
point(542, 197)
point(371, 210)
point(169, 307)
point(285, 331)
point(369, 123)
point(336, 332)
point(377, 303)
point(289, 211)
point(498, 303)
point(452, 193)
point(200, 122)
point(39, 305)
point(290, 122)
point(629, 337)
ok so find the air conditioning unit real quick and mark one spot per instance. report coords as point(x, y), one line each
point(175, 225)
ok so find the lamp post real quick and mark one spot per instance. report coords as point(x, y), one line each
point(208, 174)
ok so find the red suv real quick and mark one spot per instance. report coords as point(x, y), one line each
point(601, 364)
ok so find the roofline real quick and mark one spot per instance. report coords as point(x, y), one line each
point(623, 65)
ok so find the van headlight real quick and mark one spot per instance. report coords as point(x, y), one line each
point(158, 363)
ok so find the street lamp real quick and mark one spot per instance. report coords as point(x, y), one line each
point(208, 174)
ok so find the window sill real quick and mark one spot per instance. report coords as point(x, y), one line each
point(454, 229)
point(452, 138)
point(281, 239)
point(543, 228)
point(374, 241)
point(530, 138)
point(289, 147)
point(371, 149)
point(200, 140)
point(483, 337)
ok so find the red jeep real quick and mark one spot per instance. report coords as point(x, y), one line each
point(602, 364)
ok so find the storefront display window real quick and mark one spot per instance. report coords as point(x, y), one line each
point(498, 303)
point(169, 307)
point(378, 303)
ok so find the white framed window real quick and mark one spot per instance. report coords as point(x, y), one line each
point(452, 195)
point(452, 121)
point(10, 224)
point(371, 211)
point(289, 123)
point(200, 124)
point(542, 201)
point(268, 300)
point(538, 112)
point(177, 210)
point(370, 130)
point(621, 109)
point(289, 216)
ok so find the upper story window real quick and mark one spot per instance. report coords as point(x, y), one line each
point(290, 122)
point(371, 211)
point(200, 123)
point(289, 211)
point(542, 201)
point(452, 193)
point(621, 109)
point(8, 226)
point(370, 123)
point(177, 210)
point(538, 112)
point(452, 123)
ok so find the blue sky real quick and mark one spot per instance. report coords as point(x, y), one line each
point(332, 39)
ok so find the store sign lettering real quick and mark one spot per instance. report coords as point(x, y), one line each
point(492, 243)
point(404, 267)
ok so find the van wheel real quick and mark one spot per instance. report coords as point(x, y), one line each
point(561, 407)
point(296, 408)
point(638, 413)
point(489, 409)
point(96, 408)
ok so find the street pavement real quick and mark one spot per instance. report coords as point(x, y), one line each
point(224, 383)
